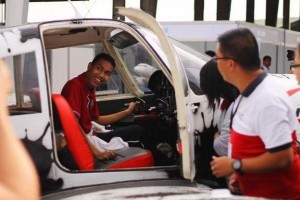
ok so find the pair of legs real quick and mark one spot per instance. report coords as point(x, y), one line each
point(137, 136)
point(129, 134)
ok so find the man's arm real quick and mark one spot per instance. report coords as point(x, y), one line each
point(266, 162)
point(269, 162)
point(112, 118)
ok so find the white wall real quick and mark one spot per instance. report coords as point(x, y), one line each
point(68, 63)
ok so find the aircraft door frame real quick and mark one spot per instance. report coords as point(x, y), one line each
point(21, 48)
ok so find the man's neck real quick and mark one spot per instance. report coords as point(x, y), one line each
point(246, 78)
point(91, 88)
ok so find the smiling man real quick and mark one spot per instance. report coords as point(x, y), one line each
point(80, 94)
point(262, 158)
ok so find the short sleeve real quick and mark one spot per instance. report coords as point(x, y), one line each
point(275, 124)
point(72, 93)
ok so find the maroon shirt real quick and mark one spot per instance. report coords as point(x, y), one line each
point(82, 100)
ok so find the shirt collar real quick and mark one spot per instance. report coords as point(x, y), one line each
point(85, 84)
point(251, 87)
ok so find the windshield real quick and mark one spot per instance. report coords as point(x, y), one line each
point(191, 60)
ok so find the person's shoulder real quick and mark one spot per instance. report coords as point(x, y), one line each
point(269, 90)
point(276, 89)
point(265, 68)
point(74, 82)
point(71, 84)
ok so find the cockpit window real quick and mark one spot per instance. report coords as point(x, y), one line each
point(25, 96)
point(192, 62)
point(140, 64)
point(122, 40)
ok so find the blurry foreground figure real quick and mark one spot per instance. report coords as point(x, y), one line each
point(18, 178)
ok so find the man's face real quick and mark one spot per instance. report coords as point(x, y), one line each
point(267, 62)
point(223, 64)
point(99, 73)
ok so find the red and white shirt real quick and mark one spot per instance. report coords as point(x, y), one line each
point(263, 120)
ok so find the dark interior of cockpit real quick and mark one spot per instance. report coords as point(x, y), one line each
point(156, 113)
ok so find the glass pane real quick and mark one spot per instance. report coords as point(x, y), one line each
point(140, 64)
point(2, 13)
point(192, 62)
point(115, 84)
point(25, 96)
point(68, 63)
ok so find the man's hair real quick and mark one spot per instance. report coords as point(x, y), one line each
point(240, 45)
point(104, 56)
point(266, 57)
point(290, 55)
point(210, 53)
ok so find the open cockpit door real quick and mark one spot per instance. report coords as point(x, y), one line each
point(185, 144)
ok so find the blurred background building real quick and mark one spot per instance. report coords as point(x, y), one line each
point(275, 13)
point(196, 23)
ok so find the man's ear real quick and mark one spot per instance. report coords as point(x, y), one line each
point(232, 65)
point(89, 65)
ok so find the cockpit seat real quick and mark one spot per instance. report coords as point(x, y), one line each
point(131, 157)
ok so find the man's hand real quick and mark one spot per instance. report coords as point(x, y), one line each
point(234, 185)
point(221, 166)
point(131, 107)
point(105, 155)
point(216, 135)
point(112, 118)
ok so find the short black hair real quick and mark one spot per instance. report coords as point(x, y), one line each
point(210, 53)
point(241, 45)
point(214, 86)
point(267, 57)
point(104, 56)
point(290, 55)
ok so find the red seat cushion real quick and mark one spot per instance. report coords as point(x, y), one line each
point(145, 159)
point(129, 157)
